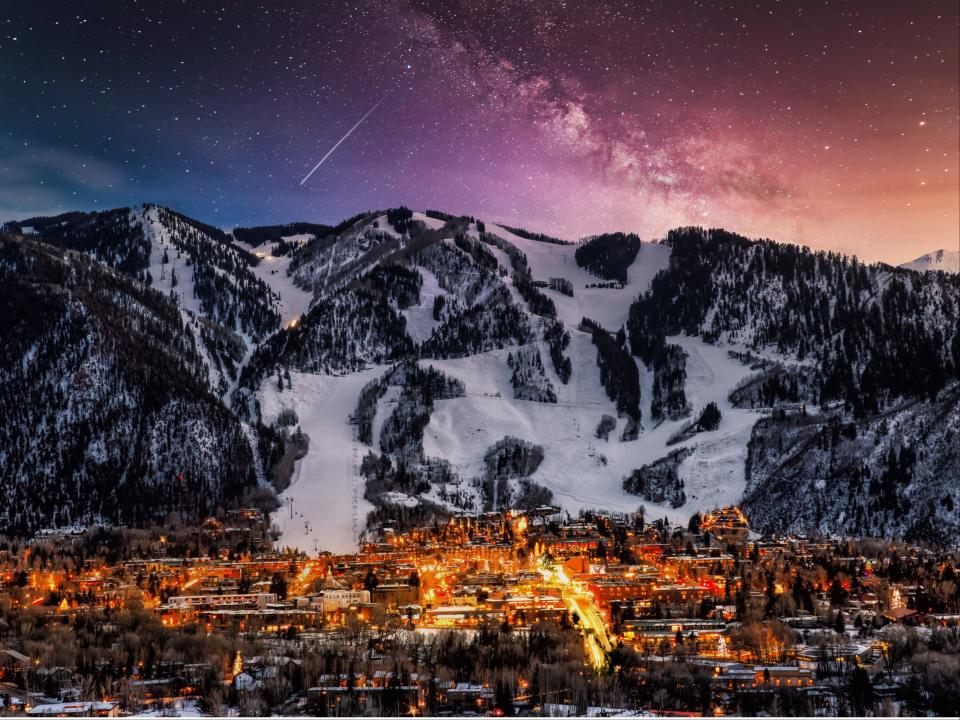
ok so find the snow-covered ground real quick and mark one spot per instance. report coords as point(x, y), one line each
point(420, 322)
point(946, 260)
point(293, 301)
point(182, 707)
point(608, 306)
point(175, 278)
point(431, 223)
point(319, 512)
point(582, 471)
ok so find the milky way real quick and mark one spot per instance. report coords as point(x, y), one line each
point(831, 124)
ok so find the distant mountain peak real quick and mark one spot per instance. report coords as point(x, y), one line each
point(945, 260)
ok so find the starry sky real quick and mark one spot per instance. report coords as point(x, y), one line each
point(832, 124)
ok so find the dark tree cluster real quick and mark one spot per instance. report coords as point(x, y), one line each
point(709, 417)
point(325, 241)
point(108, 236)
point(403, 467)
point(561, 285)
point(557, 340)
point(774, 386)
point(609, 255)
point(511, 458)
point(498, 323)
point(402, 432)
point(400, 218)
point(341, 333)
point(668, 396)
point(527, 376)
point(618, 370)
point(659, 481)
point(481, 256)
point(464, 279)
point(366, 410)
point(229, 293)
point(831, 471)
point(607, 425)
point(256, 236)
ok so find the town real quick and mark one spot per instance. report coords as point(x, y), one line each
point(505, 614)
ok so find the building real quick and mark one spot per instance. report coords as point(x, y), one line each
point(12, 662)
point(334, 595)
point(77, 709)
point(187, 602)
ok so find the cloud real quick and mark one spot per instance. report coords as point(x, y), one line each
point(44, 179)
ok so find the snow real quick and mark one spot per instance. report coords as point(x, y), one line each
point(582, 471)
point(318, 511)
point(162, 280)
point(608, 306)
point(431, 223)
point(293, 301)
point(946, 260)
point(383, 225)
point(162, 275)
point(420, 322)
point(181, 707)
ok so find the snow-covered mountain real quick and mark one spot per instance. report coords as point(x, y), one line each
point(106, 414)
point(403, 365)
point(945, 260)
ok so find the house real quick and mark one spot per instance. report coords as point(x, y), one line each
point(12, 662)
point(334, 595)
point(77, 709)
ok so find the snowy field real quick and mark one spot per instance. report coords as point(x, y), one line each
point(582, 471)
point(420, 322)
point(318, 510)
point(608, 306)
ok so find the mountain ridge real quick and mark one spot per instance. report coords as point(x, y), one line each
point(610, 343)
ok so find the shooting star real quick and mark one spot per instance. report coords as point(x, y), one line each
point(340, 141)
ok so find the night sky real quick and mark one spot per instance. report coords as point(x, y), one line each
point(833, 124)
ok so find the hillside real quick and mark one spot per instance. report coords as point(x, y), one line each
point(105, 412)
point(225, 306)
point(405, 365)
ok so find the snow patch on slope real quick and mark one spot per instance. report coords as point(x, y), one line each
point(291, 301)
point(420, 322)
point(608, 306)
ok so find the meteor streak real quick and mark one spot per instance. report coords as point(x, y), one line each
point(340, 141)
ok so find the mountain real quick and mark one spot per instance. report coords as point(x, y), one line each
point(402, 365)
point(226, 307)
point(945, 260)
point(106, 414)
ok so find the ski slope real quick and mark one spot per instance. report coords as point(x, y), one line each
point(318, 510)
point(292, 301)
point(582, 471)
point(608, 306)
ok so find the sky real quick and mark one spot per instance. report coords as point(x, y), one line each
point(830, 124)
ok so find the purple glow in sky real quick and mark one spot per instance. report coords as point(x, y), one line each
point(830, 124)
